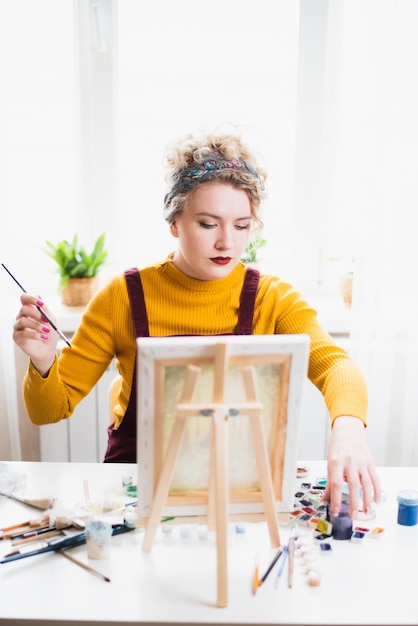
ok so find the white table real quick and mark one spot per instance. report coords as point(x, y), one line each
point(369, 583)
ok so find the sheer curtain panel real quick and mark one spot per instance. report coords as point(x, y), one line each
point(379, 167)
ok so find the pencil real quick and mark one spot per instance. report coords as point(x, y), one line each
point(256, 579)
point(270, 567)
point(72, 558)
point(57, 330)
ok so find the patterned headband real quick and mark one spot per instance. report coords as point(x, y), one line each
point(187, 177)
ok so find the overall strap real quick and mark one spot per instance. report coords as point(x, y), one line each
point(247, 302)
point(137, 300)
point(121, 446)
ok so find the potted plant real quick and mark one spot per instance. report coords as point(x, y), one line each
point(77, 268)
point(250, 256)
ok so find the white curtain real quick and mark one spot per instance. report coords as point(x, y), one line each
point(379, 132)
point(10, 448)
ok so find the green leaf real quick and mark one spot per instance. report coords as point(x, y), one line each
point(74, 261)
point(251, 251)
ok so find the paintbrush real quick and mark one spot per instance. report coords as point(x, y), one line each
point(25, 532)
point(22, 527)
point(18, 526)
point(54, 326)
point(40, 546)
point(291, 558)
point(43, 504)
point(281, 568)
point(8, 531)
point(60, 524)
point(31, 527)
point(55, 544)
point(41, 536)
point(88, 568)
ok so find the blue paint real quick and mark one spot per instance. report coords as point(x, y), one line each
point(240, 529)
point(408, 508)
point(342, 525)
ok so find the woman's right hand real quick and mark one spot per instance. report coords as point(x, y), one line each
point(34, 335)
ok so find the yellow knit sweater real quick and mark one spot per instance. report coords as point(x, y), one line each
point(179, 305)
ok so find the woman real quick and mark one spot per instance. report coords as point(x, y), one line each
point(214, 199)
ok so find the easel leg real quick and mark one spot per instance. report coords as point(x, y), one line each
point(164, 483)
point(220, 425)
point(265, 479)
point(170, 458)
point(262, 457)
point(211, 516)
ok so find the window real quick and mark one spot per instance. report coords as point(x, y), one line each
point(38, 175)
point(183, 66)
point(93, 92)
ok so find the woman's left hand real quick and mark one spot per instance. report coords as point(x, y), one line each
point(349, 460)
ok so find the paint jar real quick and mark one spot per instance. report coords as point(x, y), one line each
point(342, 525)
point(408, 507)
point(98, 536)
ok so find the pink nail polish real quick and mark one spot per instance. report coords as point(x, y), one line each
point(40, 303)
point(46, 329)
point(44, 336)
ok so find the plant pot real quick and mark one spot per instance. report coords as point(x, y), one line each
point(79, 291)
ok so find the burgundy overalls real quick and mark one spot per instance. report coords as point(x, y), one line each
point(121, 447)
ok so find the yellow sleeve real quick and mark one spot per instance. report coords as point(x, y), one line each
point(331, 369)
point(105, 331)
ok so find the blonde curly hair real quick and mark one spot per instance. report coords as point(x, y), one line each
point(206, 158)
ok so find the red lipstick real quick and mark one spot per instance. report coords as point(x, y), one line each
point(221, 260)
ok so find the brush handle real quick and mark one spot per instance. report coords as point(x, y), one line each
point(60, 333)
point(59, 544)
point(43, 504)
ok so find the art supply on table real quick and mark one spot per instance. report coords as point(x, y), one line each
point(88, 568)
point(308, 558)
point(240, 529)
point(342, 525)
point(9, 532)
point(129, 518)
point(325, 548)
point(55, 544)
point(270, 567)
point(15, 527)
point(45, 546)
point(407, 507)
point(42, 503)
point(282, 564)
point(131, 490)
point(32, 528)
point(357, 536)
point(41, 310)
point(86, 491)
point(30, 537)
point(256, 578)
point(291, 558)
point(60, 523)
point(98, 535)
point(302, 472)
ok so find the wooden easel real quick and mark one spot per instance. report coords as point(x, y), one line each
point(218, 491)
